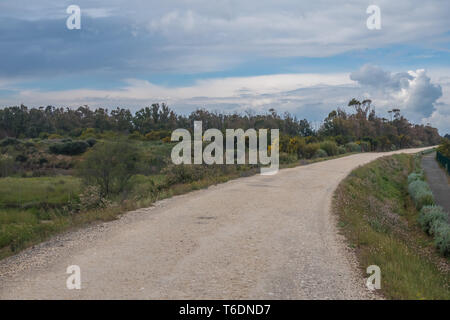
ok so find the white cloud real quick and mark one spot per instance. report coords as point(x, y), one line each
point(310, 96)
point(412, 91)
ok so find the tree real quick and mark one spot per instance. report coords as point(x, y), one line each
point(110, 166)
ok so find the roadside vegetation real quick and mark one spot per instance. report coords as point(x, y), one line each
point(382, 224)
point(432, 218)
point(443, 154)
point(62, 168)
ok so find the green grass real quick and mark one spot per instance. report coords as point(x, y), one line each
point(379, 220)
point(27, 192)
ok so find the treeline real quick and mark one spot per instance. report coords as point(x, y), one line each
point(24, 122)
point(358, 123)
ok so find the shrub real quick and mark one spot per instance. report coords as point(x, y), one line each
point(353, 147)
point(88, 133)
point(415, 176)
point(21, 158)
point(424, 198)
point(54, 136)
point(365, 146)
point(91, 198)
point(421, 193)
point(43, 135)
point(91, 142)
point(69, 147)
point(136, 135)
point(287, 157)
point(296, 145)
point(429, 214)
point(9, 141)
point(442, 237)
point(341, 150)
point(166, 139)
point(110, 166)
point(6, 165)
point(320, 154)
point(444, 147)
point(330, 147)
point(157, 135)
point(310, 150)
point(183, 173)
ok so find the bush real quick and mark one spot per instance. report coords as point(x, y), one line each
point(310, 150)
point(88, 133)
point(296, 145)
point(184, 173)
point(6, 165)
point(424, 198)
point(43, 135)
point(92, 198)
point(415, 176)
point(54, 136)
point(91, 142)
point(136, 135)
point(341, 150)
point(430, 214)
point(442, 237)
point(320, 154)
point(286, 158)
point(365, 146)
point(110, 166)
point(157, 135)
point(444, 147)
point(69, 147)
point(330, 147)
point(353, 147)
point(421, 193)
point(9, 141)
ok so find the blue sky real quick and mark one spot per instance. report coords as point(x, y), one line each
point(305, 57)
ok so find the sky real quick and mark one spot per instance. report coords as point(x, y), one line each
point(303, 57)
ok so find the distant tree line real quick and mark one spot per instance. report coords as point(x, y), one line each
point(356, 122)
point(24, 122)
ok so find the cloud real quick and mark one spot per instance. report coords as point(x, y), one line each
point(412, 91)
point(122, 38)
point(310, 96)
point(376, 77)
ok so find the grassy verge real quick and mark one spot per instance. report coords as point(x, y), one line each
point(379, 221)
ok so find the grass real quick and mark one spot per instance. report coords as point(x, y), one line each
point(30, 209)
point(379, 220)
point(33, 192)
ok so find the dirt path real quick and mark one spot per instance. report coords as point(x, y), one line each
point(438, 181)
point(261, 237)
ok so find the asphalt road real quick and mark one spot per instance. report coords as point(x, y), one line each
point(438, 180)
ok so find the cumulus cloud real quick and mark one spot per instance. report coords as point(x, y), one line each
point(411, 91)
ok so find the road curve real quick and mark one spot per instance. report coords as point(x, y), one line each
point(261, 237)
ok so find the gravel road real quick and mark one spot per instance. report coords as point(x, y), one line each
point(261, 237)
